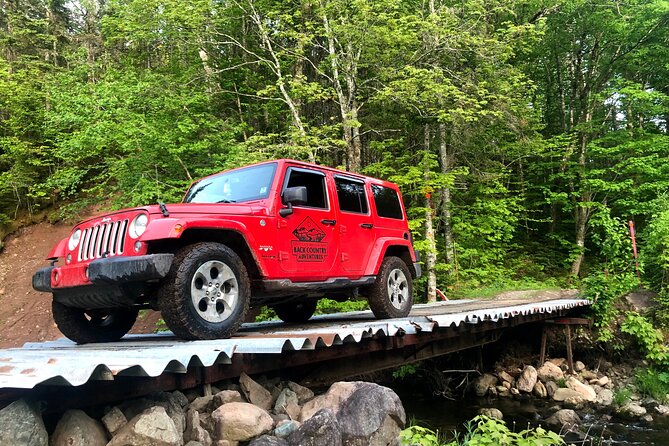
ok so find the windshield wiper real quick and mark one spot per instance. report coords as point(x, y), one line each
point(226, 201)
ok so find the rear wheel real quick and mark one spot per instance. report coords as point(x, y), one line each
point(296, 312)
point(206, 293)
point(391, 295)
point(84, 326)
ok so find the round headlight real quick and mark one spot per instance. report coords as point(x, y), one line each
point(73, 242)
point(138, 225)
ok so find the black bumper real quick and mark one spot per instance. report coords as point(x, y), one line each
point(115, 270)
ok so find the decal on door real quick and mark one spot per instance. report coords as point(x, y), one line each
point(308, 247)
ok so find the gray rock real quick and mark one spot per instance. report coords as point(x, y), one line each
point(514, 391)
point(267, 440)
point(194, 431)
point(240, 421)
point(75, 428)
point(153, 427)
point(225, 397)
point(549, 372)
point(605, 397)
point(527, 379)
point(662, 410)
point(202, 403)
point(632, 411)
point(551, 387)
point(505, 377)
point(482, 384)
point(194, 443)
point(180, 398)
point(165, 400)
point(647, 418)
point(491, 412)
point(285, 428)
point(579, 366)
point(22, 425)
point(320, 429)
point(585, 390)
point(588, 375)
point(285, 398)
point(255, 393)
point(603, 381)
point(563, 394)
point(114, 420)
point(303, 394)
point(539, 390)
point(564, 418)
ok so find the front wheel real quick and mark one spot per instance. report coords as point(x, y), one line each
point(391, 295)
point(84, 326)
point(206, 293)
point(296, 312)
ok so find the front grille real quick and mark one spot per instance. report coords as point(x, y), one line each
point(103, 240)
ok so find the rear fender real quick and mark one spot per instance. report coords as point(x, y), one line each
point(379, 251)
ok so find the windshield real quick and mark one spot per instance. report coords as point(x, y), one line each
point(250, 183)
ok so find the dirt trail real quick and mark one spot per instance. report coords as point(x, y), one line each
point(25, 314)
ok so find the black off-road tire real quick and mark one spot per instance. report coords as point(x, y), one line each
point(296, 312)
point(84, 326)
point(387, 300)
point(191, 265)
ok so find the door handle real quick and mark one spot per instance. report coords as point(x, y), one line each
point(366, 225)
point(329, 222)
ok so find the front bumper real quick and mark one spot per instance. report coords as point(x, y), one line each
point(108, 271)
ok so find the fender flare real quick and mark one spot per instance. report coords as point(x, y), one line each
point(380, 247)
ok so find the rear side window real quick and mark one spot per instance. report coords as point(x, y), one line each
point(351, 195)
point(387, 202)
point(315, 184)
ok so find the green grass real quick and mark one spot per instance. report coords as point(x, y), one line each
point(653, 383)
point(492, 290)
point(621, 396)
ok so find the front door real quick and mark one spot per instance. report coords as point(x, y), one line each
point(308, 239)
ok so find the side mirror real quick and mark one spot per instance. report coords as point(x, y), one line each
point(292, 195)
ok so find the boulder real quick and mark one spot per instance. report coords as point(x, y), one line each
point(505, 377)
point(225, 397)
point(285, 428)
point(364, 411)
point(114, 420)
point(22, 425)
point(255, 393)
point(75, 428)
point(153, 427)
point(491, 412)
point(194, 430)
point(287, 399)
point(549, 372)
point(587, 375)
point(605, 397)
point(527, 379)
point(585, 390)
point(563, 394)
point(662, 410)
point(563, 418)
point(539, 390)
point(167, 401)
point(194, 443)
point(202, 403)
point(303, 394)
point(632, 410)
point(267, 440)
point(180, 398)
point(551, 387)
point(240, 421)
point(320, 429)
point(482, 384)
point(579, 366)
point(603, 381)
point(558, 361)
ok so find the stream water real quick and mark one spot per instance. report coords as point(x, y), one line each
point(448, 416)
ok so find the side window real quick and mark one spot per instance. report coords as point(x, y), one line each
point(351, 195)
point(387, 202)
point(315, 184)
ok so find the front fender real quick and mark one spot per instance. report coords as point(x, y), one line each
point(58, 250)
point(174, 227)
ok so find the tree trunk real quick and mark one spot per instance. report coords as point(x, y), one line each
point(446, 159)
point(431, 254)
point(582, 210)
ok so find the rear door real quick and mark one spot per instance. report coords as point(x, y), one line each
point(308, 239)
point(356, 228)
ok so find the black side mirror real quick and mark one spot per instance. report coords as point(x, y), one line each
point(292, 195)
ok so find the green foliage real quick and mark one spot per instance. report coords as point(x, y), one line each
point(621, 396)
point(329, 306)
point(650, 339)
point(405, 371)
point(604, 291)
point(653, 383)
point(419, 436)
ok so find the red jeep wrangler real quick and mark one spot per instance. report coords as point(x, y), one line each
point(281, 233)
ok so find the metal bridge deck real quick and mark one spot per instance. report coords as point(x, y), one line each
point(272, 344)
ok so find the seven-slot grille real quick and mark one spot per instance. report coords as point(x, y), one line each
point(103, 240)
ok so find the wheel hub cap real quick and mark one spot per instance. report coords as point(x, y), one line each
point(398, 288)
point(214, 291)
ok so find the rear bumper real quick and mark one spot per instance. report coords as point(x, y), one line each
point(115, 270)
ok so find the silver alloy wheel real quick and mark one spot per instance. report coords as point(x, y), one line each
point(398, 288)
point(214, 291)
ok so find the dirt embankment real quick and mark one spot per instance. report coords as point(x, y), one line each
point(25, 314)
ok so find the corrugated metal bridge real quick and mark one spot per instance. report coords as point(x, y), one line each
point(326, 349)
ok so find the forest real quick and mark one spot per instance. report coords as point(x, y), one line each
point(525, 134)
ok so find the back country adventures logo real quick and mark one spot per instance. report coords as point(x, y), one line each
point(308, 247)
